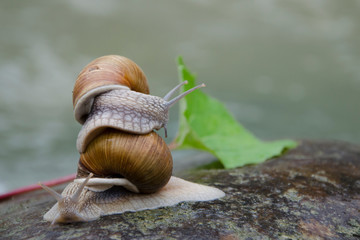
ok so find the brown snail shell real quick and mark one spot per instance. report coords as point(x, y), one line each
point(103, 74)
point(144, 160)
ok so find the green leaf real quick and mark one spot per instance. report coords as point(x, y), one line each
point(206, 124)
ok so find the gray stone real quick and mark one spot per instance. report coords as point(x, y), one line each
point(311, 192)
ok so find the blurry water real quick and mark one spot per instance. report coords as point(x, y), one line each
point(284, 69)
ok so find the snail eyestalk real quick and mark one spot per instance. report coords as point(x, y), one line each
point(172, 91)
point(168, 104)
point(176, 99)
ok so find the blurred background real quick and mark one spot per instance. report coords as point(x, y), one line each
point(285, 69)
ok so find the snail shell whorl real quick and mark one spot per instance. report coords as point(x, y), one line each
point(104, 74)
point(144, 160)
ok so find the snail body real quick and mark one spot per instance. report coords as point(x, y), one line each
point(78, 203)
point(118, 147)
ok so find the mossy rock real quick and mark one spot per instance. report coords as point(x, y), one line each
point(311, 192)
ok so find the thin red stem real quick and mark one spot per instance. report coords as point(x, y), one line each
point(33, 187)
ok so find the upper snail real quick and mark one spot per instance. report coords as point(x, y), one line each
point(122, 101)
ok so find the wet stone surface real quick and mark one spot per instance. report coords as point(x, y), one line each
point(311, 192)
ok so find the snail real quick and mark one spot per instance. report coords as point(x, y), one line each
point(124, 164)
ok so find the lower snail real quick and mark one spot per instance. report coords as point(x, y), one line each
point(124, 165)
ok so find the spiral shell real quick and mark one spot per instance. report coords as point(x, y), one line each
point(103, 74)
point(144, 160)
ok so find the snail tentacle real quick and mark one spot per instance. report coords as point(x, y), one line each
point(172, 91)
point(177, 98)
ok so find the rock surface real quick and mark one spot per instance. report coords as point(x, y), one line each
point(311, 192)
